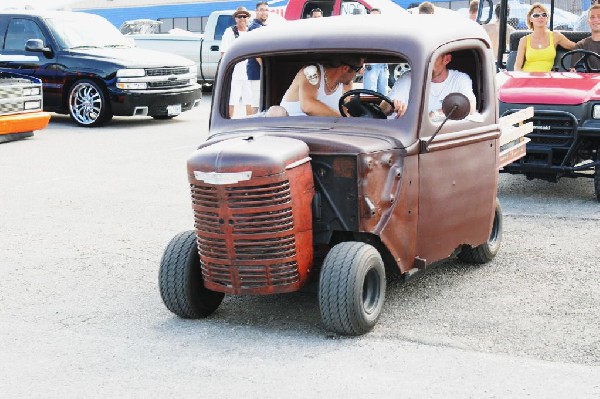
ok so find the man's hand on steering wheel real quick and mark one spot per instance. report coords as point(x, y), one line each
point(351, 105)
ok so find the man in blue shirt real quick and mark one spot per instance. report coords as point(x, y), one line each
point(376, 75)
point(253, 67)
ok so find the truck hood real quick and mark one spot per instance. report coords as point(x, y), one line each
point(566, 88)
point(132, 57)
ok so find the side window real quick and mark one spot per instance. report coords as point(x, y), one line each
point(19, 31)
point(462, 72)
point(224, 22)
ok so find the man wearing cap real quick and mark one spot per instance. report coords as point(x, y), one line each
point(316, 13)
point(253, 68)
point(240, 85)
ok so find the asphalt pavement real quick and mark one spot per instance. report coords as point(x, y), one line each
point(86, 213)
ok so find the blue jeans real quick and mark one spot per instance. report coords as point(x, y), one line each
point(376, 78)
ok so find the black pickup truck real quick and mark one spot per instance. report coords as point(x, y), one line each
point(91, 71)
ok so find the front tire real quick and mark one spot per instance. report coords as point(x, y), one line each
point(487, 251)
point(352, 288)
point(88, 104)
point(180, 280)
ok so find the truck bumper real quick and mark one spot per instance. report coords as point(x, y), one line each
point(18, 126)
point(153, 103)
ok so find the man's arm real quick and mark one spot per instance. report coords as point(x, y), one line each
point(309, 104)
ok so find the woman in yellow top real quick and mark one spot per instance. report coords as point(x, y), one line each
point(537, 50)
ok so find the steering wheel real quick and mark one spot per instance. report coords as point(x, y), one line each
point(582, 64)
point(357, 108)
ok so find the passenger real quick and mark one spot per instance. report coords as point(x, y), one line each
point(317, 89)
point(240, 85)
point(376, 75)
point(253, 67)
point(493, 30)
point(316, 13)
point(473, 8)
point(443, 82)
point(537, 50)
point(426, 7)
point(592, 42)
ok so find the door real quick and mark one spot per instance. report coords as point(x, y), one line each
point(42, 65)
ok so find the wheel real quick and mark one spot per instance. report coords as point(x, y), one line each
point(88, 104)
point(180, 280)
point(485, 252)
point(582, 64)
point(356, 108)
point(351, 288)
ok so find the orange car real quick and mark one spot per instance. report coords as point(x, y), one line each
point(20, 107)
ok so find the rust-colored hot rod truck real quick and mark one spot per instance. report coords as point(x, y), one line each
point(350, 200)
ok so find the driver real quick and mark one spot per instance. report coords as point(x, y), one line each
point(316, 90)
point(443, 82)
point(591, 43)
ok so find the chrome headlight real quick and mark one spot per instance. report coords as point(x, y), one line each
point(130, 73)
point(596, 111)
point(31, 91)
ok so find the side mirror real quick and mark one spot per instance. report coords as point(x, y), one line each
point(36, 45)
point(456, 106)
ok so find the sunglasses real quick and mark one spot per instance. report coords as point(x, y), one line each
point(537, 15)
point(242, 16)
point(353, 67)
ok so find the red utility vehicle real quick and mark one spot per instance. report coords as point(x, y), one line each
point(299, 9)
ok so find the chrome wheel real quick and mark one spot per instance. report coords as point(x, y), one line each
point(87, 103)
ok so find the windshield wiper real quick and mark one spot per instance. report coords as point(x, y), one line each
point(84, 47)
point(117, 45)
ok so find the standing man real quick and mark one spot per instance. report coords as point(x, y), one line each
point(253, 68)
point(592, 42)
point(240, 85)
point(473, 8)
point(376, 75)
point(493, 29)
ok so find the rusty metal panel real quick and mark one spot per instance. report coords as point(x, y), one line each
point(457, 188)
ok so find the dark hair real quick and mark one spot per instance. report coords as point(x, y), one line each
point(343, 59)
point(261, 3)
point(316, 10)
point(497, 10)
point(375, 9)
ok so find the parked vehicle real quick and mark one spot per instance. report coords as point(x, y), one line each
point(20, 107)
point(565, 141)
point(299, 9)
point(343, 201)
point(203, 49)
point(91, 71)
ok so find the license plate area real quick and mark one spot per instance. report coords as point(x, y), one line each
point(173, 109)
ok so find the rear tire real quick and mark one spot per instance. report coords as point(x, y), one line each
point(180, 280)
point(352, 288)
point(487, 251)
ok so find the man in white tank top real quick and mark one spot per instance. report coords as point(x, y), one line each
point(317, 88)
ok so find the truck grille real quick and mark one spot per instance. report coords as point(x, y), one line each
point(168, 84)
point(167, 71)
point(553, 128)
point(248, 242)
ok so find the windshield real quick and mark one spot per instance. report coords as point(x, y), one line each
point(81, 30)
